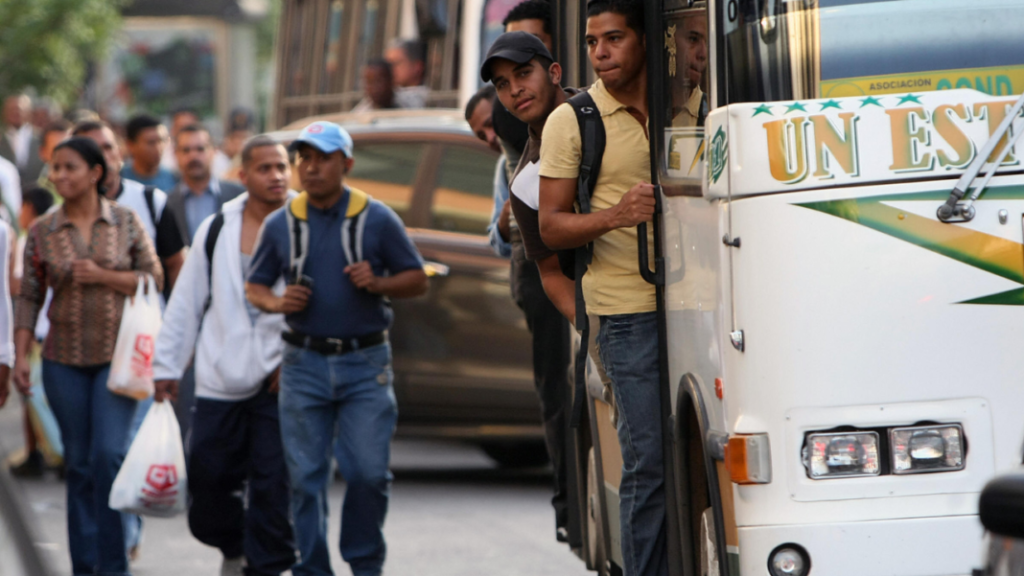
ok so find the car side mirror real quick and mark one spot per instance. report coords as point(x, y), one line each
point(1001, 507)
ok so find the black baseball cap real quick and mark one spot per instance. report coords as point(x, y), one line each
point(519, 47)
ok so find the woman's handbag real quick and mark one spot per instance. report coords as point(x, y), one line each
point(131, 370)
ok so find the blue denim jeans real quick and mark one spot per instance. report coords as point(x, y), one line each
point(133, 522)
point(629, 350)
point(94, 426)
point(341, 405)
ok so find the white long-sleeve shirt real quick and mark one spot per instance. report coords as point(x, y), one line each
point(7, 243)
point(10, 186)
point(234, 353)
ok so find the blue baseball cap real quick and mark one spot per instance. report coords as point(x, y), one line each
point(326, 137)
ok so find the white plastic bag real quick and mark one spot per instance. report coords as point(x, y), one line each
point(131, 369)
point(152, 480)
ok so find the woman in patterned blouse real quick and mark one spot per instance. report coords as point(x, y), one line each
point(92, 253)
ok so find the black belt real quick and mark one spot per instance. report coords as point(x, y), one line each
point(334, 346)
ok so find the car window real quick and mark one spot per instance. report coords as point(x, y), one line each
point(464, 196)
point(386, 171)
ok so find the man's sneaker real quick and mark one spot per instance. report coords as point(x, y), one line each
point(32, 467)
point(561, 534)
point(232, 566)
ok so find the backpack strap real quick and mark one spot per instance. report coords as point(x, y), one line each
point(297, 215)
point(148, 193)
point(354, 226)
point(592, 145)
point(211, 242)
point(592, 139)
point(352, 229)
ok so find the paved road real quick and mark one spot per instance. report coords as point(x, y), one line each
point(453, 513)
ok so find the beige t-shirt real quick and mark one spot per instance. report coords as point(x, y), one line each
point(613, 284)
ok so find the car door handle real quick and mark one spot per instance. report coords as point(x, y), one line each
point(435, 269)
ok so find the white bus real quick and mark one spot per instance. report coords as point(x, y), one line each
point(841, 364)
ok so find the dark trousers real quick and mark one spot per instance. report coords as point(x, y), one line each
point(551, 358)
point(183, 409)
point(239, 482)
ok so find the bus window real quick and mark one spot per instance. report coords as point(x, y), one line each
point(491, 26)
point(298, 21)
point(686, 61)
point(323, 47)
point(802, 49)
point(874, 48)
point(686, 40)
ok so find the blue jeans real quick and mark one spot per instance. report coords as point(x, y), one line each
point(133, 522)
point(341, 405)
point(629, 350)
point(94, 426)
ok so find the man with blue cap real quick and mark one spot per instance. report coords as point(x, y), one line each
point(342, 255)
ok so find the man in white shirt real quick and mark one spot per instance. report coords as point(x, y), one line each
point(148, 203)
point(19, 144)
point(235, 443)
point(10, 189)
point(6, 313)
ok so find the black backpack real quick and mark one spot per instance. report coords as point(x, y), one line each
point(211, 242)
point(574, 262)
point(148, 192)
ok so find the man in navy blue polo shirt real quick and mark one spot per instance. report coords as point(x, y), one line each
point(342, 254)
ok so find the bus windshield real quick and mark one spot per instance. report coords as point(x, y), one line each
point(800, 49)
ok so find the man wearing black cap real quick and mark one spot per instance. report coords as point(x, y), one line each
point(526, 79)
point(343, 254)
point(614, 290)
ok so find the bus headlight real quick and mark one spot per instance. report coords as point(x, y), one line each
point(841, 454)
point(917, 449)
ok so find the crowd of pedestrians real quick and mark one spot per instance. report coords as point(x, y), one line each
point(274, 346)
point(93, 225)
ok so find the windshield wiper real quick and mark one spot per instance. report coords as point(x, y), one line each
point(951, 211)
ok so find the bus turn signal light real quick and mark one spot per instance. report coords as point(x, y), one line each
point(748, 459)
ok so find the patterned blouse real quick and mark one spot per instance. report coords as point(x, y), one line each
point(84, 319)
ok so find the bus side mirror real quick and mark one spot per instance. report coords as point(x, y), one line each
point(1001, 507)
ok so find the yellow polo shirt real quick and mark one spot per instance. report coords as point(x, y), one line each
point(613, 284)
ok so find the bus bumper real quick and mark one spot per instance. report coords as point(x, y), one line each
point(943, 546)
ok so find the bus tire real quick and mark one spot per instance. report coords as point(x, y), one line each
point(596, 553)
point(697, 488)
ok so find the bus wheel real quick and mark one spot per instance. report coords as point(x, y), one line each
point(595, 523)
point(708, 548)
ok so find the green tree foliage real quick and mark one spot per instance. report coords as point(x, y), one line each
point(48, 44)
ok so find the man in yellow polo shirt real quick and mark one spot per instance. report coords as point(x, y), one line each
point(612, 287)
